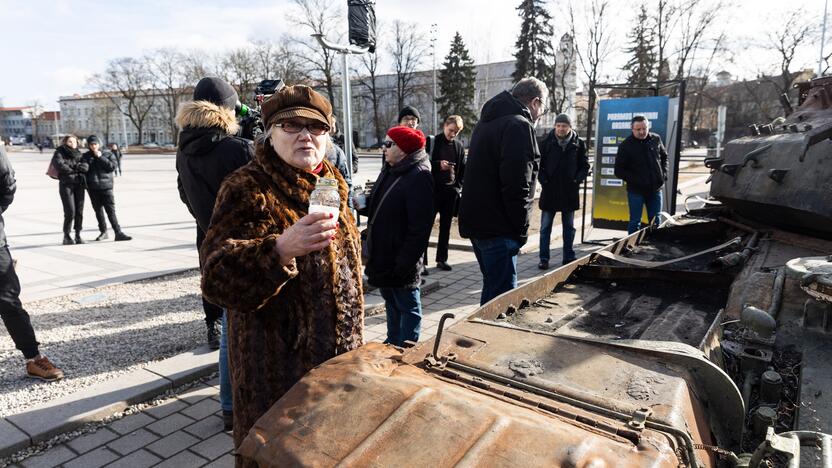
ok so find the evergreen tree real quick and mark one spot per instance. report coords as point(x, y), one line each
point(534, 55)
point(457, 79)
point(642, 64)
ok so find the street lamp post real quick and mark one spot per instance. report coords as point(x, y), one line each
point(433, 29)
point(345, 51)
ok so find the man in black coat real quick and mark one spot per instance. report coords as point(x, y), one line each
point(15, 318)
point(208, 152)
point(447, 161)
point(102, 165)
point(563, 166)
point(117, 153)
point(500, 179)
point(72, 181)
point(401, 217)
point(641, 163)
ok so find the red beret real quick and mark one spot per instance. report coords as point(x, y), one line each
point(406, 138)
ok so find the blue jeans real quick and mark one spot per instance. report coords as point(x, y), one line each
point(547, 218)
point(636, 201)
point(497, 257)
point(226, 403)
point(404, 314)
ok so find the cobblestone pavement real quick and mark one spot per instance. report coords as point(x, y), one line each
point(186, 431)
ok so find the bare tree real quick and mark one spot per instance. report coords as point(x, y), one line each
point(169, 80)
point(368, 78)
point(196, 64)
point(240, 67)
point(407, 50)
point(666, 19)
point(697, 85)
point(128, 83)
point(786, 40)
point(697, 18)
point(318, 17)
point(279, 60)
point(562, 75)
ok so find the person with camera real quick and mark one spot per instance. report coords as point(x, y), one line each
point(102, 165)
point(400, 212)
point(72, 182)
point(208, 152)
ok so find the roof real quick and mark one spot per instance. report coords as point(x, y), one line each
point(12, 109)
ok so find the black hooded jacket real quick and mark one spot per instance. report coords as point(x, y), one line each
point(100, 172)
point(8, 187)
point(207, 154)
point(70, 164)
point(501, 172)
point(561, 172)
point(642, 164)
point(402, 226)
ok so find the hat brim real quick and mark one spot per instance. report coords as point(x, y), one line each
point(304, 112)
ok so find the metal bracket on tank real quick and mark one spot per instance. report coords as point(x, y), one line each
point(639, 418)
point(777, 175)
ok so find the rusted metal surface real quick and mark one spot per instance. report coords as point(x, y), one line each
point(784, 177)
point(368, 408)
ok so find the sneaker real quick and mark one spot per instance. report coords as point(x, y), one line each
point(41, 368)
point(120, 236)
point(443, 266)
point(214, 335)
point(68, 240)
point(543, 265)
point(102, 236)
point(227, 420)
point(78, 239)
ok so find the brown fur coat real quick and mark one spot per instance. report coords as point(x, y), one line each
point(283, 321)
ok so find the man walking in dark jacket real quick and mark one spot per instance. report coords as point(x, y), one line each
point(641, 163)
point(500, 180)
point(563, 166)
point(14, 317)
point(208, 152)
point(447, 161)
point(102, 165)
point(401, 217)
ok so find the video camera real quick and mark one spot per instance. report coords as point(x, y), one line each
point(251, 123)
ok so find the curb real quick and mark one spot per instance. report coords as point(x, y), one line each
point(102, 400)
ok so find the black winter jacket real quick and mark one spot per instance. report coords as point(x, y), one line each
point(8, 187)
point(561, 172)
point(642, 164)
point(458, 158)
point(100, 172)
point(501, 172)
point(402, 227)
point(207, 154)
point(71, 167)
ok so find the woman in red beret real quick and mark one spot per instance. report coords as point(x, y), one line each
point(400, 212)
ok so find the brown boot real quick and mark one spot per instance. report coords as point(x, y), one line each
point(41, 368)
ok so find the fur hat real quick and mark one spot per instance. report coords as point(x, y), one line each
point(407, 139)
point(409, 110)
point(563, 118)
point(216, 91)
point(297, 101)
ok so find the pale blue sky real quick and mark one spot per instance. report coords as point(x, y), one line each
point(48, 48)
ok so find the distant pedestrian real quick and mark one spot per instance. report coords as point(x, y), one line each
point(72, 179)
point(500, 181)
point(447, 160)
point(401, 215)
point(641, 163)
point(15, 318)
point(101, 165)
point(208, 152)
point(563, 166)
point(117, 153)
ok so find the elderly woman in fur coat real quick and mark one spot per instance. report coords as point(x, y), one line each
point(291, 281)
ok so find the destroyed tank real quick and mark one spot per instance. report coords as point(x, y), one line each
point(706, 342)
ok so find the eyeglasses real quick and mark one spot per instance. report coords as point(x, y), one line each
point(543, 108)
point(388, 144)
point(315, 128)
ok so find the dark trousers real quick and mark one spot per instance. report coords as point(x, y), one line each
point(14, 316)
point(444, 203)
point(72, 198)
point(404, 314)
point(103, 200)
point(497, 257)
point(637, 202)
point(212, 312)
